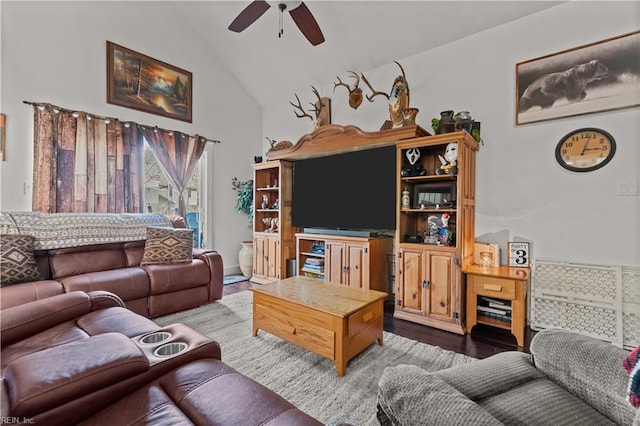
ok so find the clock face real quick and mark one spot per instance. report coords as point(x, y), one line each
point(584, 150)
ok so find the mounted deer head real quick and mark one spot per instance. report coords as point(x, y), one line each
point(321, 109)
point(398, 97)
point(355, 94)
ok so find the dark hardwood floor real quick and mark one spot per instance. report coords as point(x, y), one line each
point(481, 343)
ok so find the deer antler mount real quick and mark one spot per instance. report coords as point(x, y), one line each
point(398, 99)
point(355, 94)
point(321, 109)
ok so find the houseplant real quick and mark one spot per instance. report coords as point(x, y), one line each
point(244, 204)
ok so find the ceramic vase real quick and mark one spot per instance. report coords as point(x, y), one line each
point(245, 258)
point(409, 116)
point(406, 200)
point(464, 121)
point(446, 122)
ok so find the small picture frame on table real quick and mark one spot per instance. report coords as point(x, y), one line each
point(518, 253)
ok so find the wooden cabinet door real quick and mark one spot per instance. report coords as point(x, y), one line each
point(259, 253)
point(411, 280)
point(334, 263)
point(355, 265)
point(439, 285)
point(273, 258)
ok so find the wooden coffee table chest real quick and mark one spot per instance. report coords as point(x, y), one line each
point(331, 320)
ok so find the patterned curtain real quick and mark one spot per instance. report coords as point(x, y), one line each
point(85, 164)
point(178, 153)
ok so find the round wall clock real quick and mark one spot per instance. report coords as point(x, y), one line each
point(584, 150)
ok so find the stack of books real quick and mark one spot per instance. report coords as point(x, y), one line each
point(494, 308)
point(313, 267)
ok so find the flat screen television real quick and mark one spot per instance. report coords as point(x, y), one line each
point(351, 191)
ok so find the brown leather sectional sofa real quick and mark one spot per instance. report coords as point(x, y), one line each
point(150, 290)
point(83, 358)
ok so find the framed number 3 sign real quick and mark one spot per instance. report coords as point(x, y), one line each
point(518, 254)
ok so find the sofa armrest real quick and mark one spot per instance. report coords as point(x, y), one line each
point(22, 321)
point(409, 395)
point(214, 261)
point(19, 294)
point(46, 379)
point(588, 368)
point(101, 299)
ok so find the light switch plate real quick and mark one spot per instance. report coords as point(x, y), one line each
point(628, 188)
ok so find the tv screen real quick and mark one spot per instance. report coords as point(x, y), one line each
point(355, 190)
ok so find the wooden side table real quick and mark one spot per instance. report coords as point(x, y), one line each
point(505, 283)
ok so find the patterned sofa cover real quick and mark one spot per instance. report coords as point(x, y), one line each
point(103, 251)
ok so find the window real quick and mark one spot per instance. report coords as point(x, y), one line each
point(160, 196)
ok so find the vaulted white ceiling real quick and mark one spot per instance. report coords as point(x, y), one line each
point(360, 35)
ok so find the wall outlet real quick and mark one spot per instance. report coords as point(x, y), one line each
point(627, 188)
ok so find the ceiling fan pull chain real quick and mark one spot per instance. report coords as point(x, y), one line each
point(282, 8)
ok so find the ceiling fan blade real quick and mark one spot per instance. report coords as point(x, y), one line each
point(307, 24)
point(249, 15)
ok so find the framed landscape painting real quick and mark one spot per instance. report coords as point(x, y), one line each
point(596, 77)
point(137, 81)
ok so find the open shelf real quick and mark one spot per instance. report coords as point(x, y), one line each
point(494, 322)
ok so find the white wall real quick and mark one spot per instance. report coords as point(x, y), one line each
point(55, 52)
point(522, 193)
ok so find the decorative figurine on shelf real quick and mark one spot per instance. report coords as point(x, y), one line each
point(431, 235)
point(265, 201)
point(271, 224)
point(445, 219)
point(276, 204)
point(443, 237)
point(412, 167)
point(277, 146)
point(449, 161)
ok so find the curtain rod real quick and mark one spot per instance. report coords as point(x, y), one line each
point(107, 119)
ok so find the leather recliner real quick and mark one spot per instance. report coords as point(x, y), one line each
point(84, 358)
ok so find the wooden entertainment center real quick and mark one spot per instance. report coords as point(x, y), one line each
point(429, 282)
point(359, 262)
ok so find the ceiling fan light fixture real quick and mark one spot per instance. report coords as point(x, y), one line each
point(288, 5)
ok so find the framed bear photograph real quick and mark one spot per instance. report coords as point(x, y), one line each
point(600, 76)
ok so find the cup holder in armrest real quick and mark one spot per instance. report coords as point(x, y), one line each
point(155, 337)
point(175, 344)
point(170, 349)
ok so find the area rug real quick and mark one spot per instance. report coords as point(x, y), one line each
point(232, 279)
point(303, 378)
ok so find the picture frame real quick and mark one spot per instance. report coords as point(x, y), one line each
point(595, 77)
point(3, 137)
point(146, 84)
point(518, 254)
point(434, 195)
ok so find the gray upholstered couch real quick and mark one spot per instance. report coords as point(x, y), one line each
point(569, 379)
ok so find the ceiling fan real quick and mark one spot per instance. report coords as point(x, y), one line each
point(300, 13)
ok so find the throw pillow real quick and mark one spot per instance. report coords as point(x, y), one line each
point(632, 366)
point(17, 264)
point(167, 245)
